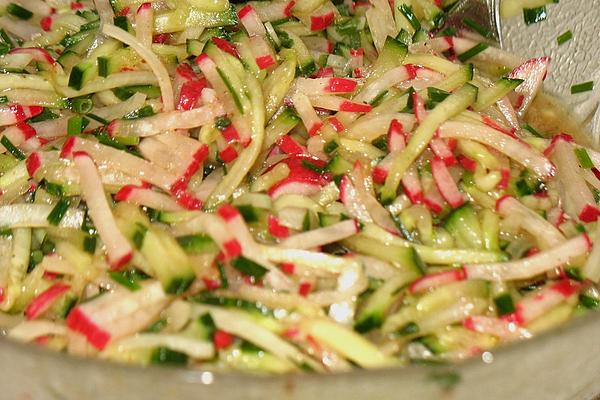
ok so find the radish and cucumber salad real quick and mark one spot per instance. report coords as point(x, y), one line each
point(279, 186)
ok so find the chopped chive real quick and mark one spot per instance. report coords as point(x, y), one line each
point(3, 99)
point(122, 22)
point(223, 276)
point(81, 105)
point(534, 15)
point(222, 123)
point(126, 279)
point(476, 27)
point(409, 329)
point(564, 38)
point(6, 39)
point(54, 189)
point(248, 212)
point(582, 87)
point(157, 326)
point(449, 31)
point(574, 273)
point(381, 143)
point(472, 52)
point(89, 244)
point(146, 111)
point(103, 66)
point(12, 149)
point(76, 124)
point(45, 115)
point(249, 267)
point(18, 11)
point(139, 235)
point(532, 130)
point(198, 243)
point(97, 118)
point(584, 158)
point(330, 146)
point(59, 211)
point(164, 355)
point(312, 167)
point(410, 16)
point(504, 304)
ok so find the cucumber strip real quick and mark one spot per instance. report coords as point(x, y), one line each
point(451, 106)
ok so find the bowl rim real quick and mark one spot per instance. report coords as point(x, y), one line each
point(195, 376)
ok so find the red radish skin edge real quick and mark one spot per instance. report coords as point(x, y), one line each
point(42, 302)
point(79, 322)
point(341, 85)
point(33, 163)
point(276, 229)
point(438, 279)
point(228, 212)
point(320, 22)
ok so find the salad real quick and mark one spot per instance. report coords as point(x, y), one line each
point(279, 186)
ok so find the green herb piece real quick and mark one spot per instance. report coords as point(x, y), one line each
point(97, 118)
point(409, 329)
point(122, 22)
point(410, 16)
point(564, 38)
point(476, 27)
point(81, 105)
point(12, 149)
point(139, 235)
point(249, 267)
point(166, 356)
point(89, 244)
point(45, 115)
point(128, 279)
point(3, 99)
point(18, 11)
point(222, 123)
point(76, 124)
point(504, 304)
point(582, 87)
point(54, 189)
point(58, 212)
point(472, 52)
point(312, 167)
point(532, 130)
point(534, 15)
point(584, 158)
point(143, 112)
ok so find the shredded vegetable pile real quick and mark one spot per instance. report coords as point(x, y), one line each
point(279, 186)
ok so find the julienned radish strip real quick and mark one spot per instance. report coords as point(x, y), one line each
point(533, 72)
point(577, 198)
point(543, 231)
point(251, 21)
point(15, 113)
point(512, 147)
point(531, 266)
point(162, 75)
point(144, 24)
point(120, 160)
point(500, 328)
point(307, 113)
point(319, 86)
point(43, 301)
point(163, 122)
point(536, 304)
point(445, 183)
point(319, 237)
point(337, 103)
point(452, 105)
point(117, 314)
point(117, 247)
point(246, 159)
point(148, 198)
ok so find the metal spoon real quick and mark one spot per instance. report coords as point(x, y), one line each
point(485, 13)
